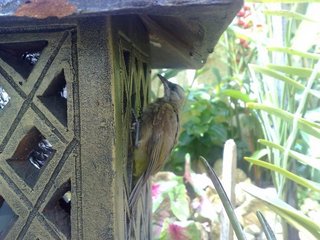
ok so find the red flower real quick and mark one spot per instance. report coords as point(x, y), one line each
point(241, 13)
point(241, 22)
point(244, 43)
point(176, 232)
point(246, 8)
point(155, 190)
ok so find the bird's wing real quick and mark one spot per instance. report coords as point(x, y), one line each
point(165, 128)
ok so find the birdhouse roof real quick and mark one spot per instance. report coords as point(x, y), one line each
point(182, 32)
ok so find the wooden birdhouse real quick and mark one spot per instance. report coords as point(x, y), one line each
point(70, 74)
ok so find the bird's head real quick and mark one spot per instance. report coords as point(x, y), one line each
point(173, 93)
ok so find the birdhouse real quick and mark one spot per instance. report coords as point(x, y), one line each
point(71, 75)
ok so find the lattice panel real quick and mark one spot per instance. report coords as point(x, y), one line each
point(39, 133)
point(135, 74)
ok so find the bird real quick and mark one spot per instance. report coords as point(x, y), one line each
point(159, 129)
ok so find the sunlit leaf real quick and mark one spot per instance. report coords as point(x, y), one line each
point(260, 153)
point(298, 71)
point(169, 73)
point(216, 73)
point(305, 125)
point(304, 159)
point(269, 72)
point(292, 51)
point(272, 73)
point(291, 215)
point(179, 202)
point(287, 14)
point(242, 33)
point(236, 94)
point(299, 180)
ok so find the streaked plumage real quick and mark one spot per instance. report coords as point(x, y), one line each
point(159, 132)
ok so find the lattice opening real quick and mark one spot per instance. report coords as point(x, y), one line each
point(22, 56)
point(142, 94)
point(145, 70)
point(58, 209)
point(4, 98)
point(31, 155)
point(137, 66)
point(55, 98)
point(126, 58)
point(7, 218)
point(125, 101)
point(133, 96)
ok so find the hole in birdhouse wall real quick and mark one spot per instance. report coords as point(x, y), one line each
point(22, 56)
point(55, 98)
point(31, 155)
point(58, 209)
point(7, 218)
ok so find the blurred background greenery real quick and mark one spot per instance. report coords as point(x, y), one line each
point(260, 87)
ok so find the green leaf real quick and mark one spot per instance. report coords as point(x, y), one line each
point(288, 14)
point(216, 73)
point(260, 153)
point(299, 180)
point(179, 202)
point(266, 227)
point(298, 71)
point(242, 33)
point(296, 155)
point(271, 73)
point(292, 51)
point(305, 125)
point(185, 138)
point(193, 230)
point(236, 94)
point(291, 215)
point(169, 73)
point(225, 200)
point(218, 133)
point(165, 187)
point(164, 235)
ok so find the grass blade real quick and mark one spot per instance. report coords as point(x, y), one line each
point(292, 51)
point(299, 180)
point(298, 71)
point(266, 227)
point(304, 159)
point(303, 124)
point(225, 201)
point(288, 14)
point(236, 94)
point(287, 212)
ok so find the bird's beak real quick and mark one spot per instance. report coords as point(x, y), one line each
point(166, 84)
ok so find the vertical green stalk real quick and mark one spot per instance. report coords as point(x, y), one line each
point(299, 111)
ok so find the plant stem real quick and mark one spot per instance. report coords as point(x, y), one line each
point(299, 111)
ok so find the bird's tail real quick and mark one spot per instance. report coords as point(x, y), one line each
point(140, 205)
point(134, 195)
